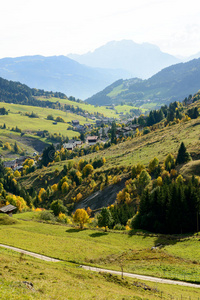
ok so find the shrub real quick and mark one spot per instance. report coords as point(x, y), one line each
point(62, 218)
point(47, 216)
point(59, 119)
point(119, 227)
point(58, 207)
point(146, 130)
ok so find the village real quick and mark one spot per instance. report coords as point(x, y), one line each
point(90, 134)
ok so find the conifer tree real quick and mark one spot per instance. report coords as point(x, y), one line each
point(105, 218)
point(183, 156)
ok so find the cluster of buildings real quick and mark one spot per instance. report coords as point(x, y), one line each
point(17, 164)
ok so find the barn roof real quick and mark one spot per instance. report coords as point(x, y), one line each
point(7, 208)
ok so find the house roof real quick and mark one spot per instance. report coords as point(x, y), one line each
point(68, 145)
point(7, 208)
point(92, 138)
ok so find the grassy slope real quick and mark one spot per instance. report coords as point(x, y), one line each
point(95, 248)
point(105, 249)
point(110, 113)
point(138, 150)
point(25, 123)
point(66, 281)
point(28, 143)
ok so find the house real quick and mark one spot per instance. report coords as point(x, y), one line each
point(8, 209)
point(92, 140)
point(68, 146)
point(75, 122)
point(99, 122)
point(10, 164)
point(79, 128)
point(87, 125)
point(78, 143)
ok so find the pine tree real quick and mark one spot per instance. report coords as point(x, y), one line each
point(183, 156)
point(105, 218)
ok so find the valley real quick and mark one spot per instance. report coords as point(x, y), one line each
point(114, 187)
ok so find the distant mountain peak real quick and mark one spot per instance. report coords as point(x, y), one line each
point(141, 60)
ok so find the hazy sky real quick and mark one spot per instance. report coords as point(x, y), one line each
point(29, 27)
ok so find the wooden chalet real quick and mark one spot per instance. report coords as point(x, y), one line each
point(91, 140)
point(8, 209)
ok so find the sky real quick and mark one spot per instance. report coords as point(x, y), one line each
point(60, 27)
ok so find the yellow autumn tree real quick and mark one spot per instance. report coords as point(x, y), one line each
point(42, 194)
point(7, 146)
point(78, 197)
point(17, 173)
point(28, 162)
point(89, 211)
point(87, 170)
point(81, 217)
point(17, 201)
point(65, 187)
point(54, 187)
point(159, 181)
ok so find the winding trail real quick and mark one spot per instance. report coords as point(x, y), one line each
point(143, 277)
point(94, 269)
point(36, 255)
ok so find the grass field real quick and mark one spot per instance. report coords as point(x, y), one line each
point(65, 281)
point(105, 110)
point(28, 143)
point(106, 249)
point(16, 117)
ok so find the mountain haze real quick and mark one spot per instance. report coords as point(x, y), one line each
point(171, 84)
point(58, 73)
point(141, 60)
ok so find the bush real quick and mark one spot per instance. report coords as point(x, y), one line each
point(47, 216)
point(119, 227)
point(63, 218)
point(58, 207)
point(146, 130)
point(6, 220)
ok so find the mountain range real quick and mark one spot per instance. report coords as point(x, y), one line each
point(58, 74)
point(141, 60)
point(85, 75)
point(173, 83)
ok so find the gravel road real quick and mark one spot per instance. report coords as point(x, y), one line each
point(88, 268)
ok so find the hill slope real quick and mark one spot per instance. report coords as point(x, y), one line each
point(141, 60)
point(58, 73)
point(171, 84)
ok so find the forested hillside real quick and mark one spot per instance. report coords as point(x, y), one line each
point(171, 84)
point(59, 73)
point(145, 164)
point(15, 92)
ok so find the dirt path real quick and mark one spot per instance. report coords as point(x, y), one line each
point(39, 256)
point(88, 268)
point(142, 277)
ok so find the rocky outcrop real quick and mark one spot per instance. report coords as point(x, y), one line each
point(102, 198)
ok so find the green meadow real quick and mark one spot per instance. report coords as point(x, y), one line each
point(178, 258)
point(16, 117)
point(105, 110)
point(111, 250)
